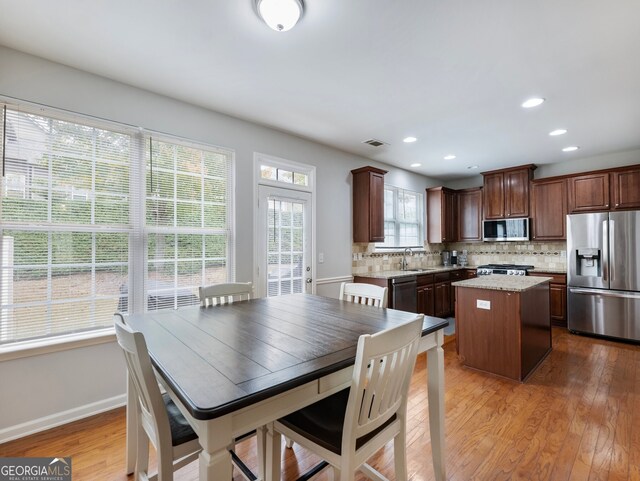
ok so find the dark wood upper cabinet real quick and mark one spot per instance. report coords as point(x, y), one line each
point(469, 214)
point(549, 209)
point(441, 215)
point(368, 204)
point(588, 193)
point(626, 189)
point(494, 196)
point(506, 192)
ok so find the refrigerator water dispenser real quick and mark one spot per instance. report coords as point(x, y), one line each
point(588, 262)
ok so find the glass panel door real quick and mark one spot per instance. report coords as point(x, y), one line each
point(283, 251)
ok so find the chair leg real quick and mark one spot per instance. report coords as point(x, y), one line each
point(400, 454)
point(142, 453)
point(335, 474)
point(165, 463)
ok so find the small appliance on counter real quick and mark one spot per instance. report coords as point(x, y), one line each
point(454, 258)
point(446, 258)
point(508, 269)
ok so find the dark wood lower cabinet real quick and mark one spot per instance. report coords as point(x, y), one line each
point(426, 300)
point(442, 295)
point(557, 297)
point(435, 296)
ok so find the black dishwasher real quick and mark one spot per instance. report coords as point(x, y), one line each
point(403, 293)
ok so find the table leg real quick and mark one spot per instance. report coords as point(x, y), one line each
point(273, 455)
point(215, 460)
point(435, 387)
point(132, 427)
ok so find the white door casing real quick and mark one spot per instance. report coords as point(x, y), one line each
point(284, 230)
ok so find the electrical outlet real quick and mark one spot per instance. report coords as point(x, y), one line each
point(480, 304)
point(563, 253)
point(321, 257)
point(385, 257)
point(355, 256)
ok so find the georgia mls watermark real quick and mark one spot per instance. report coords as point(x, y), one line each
point(35, 469)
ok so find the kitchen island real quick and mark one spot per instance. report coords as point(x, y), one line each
point(502, 324)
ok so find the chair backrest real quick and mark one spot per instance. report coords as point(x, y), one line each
point(361, 293)
point(381, 377)
point(225, 293)
point(151, 407)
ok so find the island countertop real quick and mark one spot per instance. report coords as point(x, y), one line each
point(500, 282)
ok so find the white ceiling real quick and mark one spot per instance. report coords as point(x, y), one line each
point(451, 72)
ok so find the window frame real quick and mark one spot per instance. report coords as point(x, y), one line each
point(136, 227)
point(397, 222)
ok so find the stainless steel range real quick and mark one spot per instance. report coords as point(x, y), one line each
point(508, 269)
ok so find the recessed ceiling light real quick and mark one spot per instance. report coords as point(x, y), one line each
point(533, 102)
point(409, 140)
point(472, 167)
point(571, 148)
point(553, 133)
point(417, 164)
point(449, 157)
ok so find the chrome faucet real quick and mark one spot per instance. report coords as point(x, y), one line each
point(404, 264)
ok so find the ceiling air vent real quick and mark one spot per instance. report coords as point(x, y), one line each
point(374, 142)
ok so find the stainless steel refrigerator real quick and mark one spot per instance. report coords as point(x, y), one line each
point(603, 274)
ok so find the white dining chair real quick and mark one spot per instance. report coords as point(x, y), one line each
point(347, 428)
point(148, 394)
point(361, 293)
point(226, 293)
point(158, 419)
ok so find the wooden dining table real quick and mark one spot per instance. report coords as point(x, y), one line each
point(236, 367)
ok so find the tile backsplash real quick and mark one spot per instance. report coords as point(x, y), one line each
point(549, 255)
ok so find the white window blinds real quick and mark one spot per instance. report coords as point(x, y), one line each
point(74, 232)
point(403, 218)
point(188, 221)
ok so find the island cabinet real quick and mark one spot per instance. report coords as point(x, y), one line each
point(503, 325)
point(368, 204)
point(441, 215)
point(506, 192)
point(549, 209)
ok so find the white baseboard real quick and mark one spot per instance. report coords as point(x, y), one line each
point(58, 419)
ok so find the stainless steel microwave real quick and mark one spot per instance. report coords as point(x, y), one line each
point(505, 230)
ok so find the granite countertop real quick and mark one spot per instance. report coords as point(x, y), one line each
point(417, 272)
point(500, 282)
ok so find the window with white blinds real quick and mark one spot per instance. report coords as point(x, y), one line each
point(98, 218)
point(403, 218)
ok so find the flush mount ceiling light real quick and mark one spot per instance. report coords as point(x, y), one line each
point(409, 140)
point(571, 148)
point(533, 102)
point(280, 15)
point(417, 164)
point(553, 133)
point(449, 157)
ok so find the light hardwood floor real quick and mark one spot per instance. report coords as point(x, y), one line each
point(577, 418)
